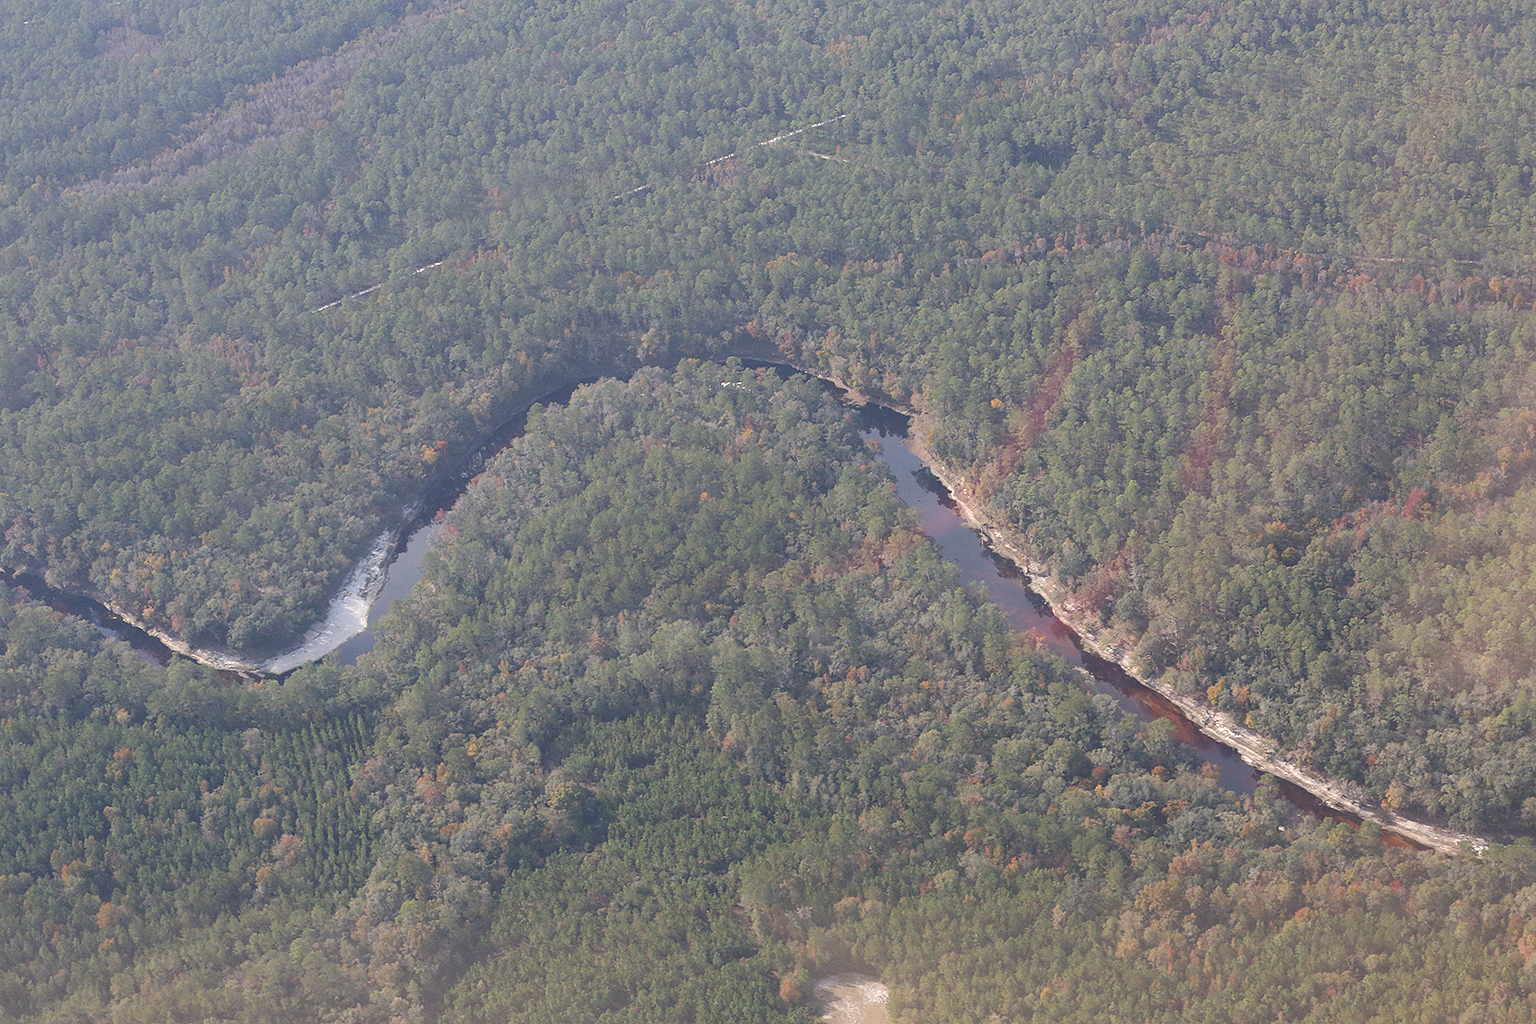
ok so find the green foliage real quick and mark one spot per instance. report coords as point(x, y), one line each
point(774, 740)
point(143, 806)
point(1227, 311)
point(213, 450)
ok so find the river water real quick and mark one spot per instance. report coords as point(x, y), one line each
point(395, 568)
point(392, 568)
point(1027, 612)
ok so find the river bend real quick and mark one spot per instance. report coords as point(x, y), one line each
point(393, 568)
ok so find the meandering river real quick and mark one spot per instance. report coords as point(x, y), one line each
point(394, 568)
point(1025, 610)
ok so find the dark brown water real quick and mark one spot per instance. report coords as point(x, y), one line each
point(1027, 612)
point(105, 623)
point(980, 567)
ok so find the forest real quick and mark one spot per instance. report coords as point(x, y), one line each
point(1225, 313)
point(571, 786)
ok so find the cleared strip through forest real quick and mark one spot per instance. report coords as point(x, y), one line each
point(642, 188)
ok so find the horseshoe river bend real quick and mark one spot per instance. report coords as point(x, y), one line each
point(985, 557)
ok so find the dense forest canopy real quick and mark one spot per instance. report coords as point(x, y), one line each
point(569, 786)
point(193, 432)
point(1225, 312)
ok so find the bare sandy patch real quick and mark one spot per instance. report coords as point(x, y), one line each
point(851, 999)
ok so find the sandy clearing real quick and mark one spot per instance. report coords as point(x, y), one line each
point(851, 999)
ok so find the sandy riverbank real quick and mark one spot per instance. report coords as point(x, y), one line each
point(1254, 748)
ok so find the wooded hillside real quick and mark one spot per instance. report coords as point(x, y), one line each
point(570, 786)
point(1226, 311)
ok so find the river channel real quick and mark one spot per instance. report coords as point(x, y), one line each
point(395, 568)
point(1027, 612)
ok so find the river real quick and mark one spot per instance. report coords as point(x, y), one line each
point(394, 568)
point(1026, 611)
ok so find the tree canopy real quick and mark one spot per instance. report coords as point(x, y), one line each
point(1225, 314)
